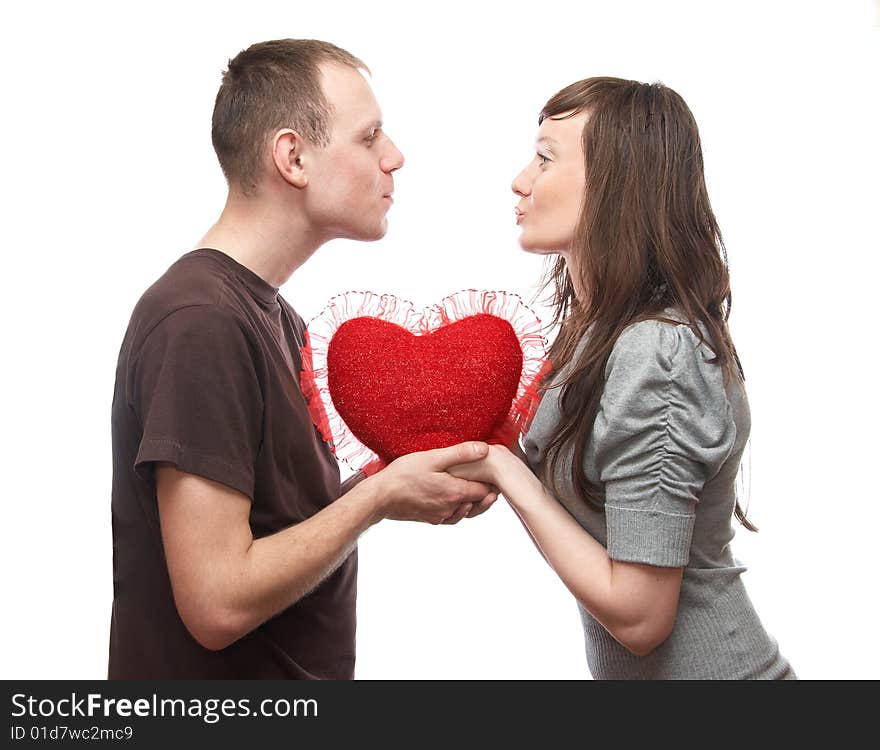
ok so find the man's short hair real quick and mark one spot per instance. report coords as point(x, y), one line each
point(269, 86)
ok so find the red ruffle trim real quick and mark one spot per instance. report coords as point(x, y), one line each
point(455, 307)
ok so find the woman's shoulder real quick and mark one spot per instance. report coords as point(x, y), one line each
point(660, 380)
point(669, 337)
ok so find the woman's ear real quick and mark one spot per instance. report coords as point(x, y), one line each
point(288, 157)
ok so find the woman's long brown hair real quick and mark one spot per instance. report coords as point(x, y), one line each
point(646, 239)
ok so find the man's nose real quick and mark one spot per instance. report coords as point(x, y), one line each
point(393, 160)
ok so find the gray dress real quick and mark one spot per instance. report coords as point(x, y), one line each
point(667, 444)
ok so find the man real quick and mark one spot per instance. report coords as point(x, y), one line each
point(234, 546)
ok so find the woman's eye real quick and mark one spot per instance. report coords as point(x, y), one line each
point(543, 159)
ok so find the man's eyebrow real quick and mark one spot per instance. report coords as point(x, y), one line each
point(375, 125)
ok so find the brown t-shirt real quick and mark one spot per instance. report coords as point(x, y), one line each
point(208, 379)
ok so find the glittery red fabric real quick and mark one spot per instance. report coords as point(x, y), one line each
point(401, 393)
point(417, 379)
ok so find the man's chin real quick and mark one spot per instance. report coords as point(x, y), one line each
point(376, 233)
point(362, 234)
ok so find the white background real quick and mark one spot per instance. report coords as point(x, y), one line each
point(108, 176)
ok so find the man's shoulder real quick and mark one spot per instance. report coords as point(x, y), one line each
point(193, 279)
point(194, 282)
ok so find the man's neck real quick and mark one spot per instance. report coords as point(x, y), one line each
point(271, 241)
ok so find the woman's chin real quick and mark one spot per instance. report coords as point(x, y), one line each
point(535, 248)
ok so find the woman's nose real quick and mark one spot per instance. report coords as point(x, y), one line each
point(520, 185)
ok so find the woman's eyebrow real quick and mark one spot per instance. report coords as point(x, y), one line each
point(546, 140)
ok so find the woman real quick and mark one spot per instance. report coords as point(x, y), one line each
point(644, 417)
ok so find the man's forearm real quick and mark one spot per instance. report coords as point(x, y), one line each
point(353, 481)
point(278, 570)
point(226, 583)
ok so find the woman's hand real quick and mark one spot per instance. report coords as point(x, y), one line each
point(490, 469)
point(516, 450)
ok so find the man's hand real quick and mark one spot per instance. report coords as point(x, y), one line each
point(494, 469)
point(475, 509)
point(417, 488)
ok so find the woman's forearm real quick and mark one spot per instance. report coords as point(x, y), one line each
point(527, 530)
point(577, 558)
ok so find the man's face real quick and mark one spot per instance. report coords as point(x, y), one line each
point(350, 180)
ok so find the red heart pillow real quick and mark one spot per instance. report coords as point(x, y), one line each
point(401, 393)
point(382, 381)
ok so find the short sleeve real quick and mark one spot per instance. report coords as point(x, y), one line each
point(664, 427)
point(195, 389)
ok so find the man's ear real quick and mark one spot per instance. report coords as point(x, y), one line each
point(287, 155)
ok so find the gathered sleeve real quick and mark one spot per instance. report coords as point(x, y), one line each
point(664, 428)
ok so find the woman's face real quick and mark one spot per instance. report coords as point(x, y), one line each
point(551, 187)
